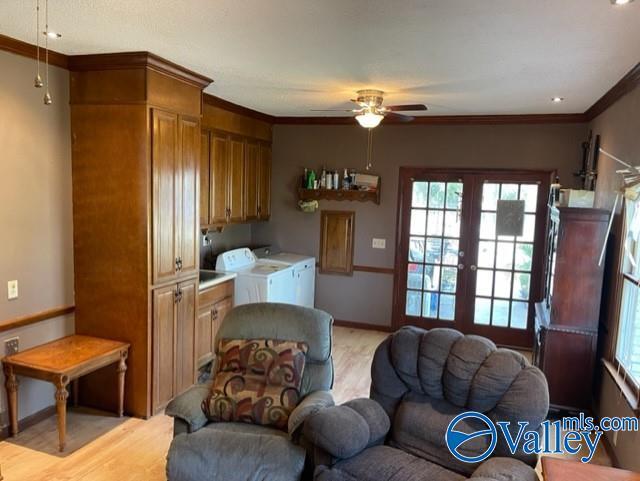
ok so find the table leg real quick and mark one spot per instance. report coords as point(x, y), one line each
point(61, 407)
point(122, 369)
point(11, 384)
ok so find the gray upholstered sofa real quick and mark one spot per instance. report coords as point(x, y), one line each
point(203, 451)
point(421, 380)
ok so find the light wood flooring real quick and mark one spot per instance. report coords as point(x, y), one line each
point(101, 447)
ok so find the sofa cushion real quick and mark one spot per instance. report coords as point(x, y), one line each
point(420, 425)
point(234, 452)
point(384, 463)
point(257, 381)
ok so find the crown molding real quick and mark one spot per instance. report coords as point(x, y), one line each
point(626, 84)
point(238, 109)
point(445, 120)
point(28, 50)
point(127, 60)
point(145, 59)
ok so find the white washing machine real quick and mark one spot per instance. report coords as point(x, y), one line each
point(304, 273)
point(258, 280)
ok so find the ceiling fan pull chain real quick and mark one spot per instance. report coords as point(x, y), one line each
point(369, 149)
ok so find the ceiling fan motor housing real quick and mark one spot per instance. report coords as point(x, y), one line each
point(370, 98)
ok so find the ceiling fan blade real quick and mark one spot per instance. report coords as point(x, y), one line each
point(332, 110)
point(399, 117)
point(406, 108)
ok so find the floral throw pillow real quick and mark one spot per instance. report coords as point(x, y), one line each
point(257, 381)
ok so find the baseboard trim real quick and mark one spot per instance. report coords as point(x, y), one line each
point(29, 421)
point(362, 325)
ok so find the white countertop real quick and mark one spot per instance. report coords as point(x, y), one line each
point(227, 276)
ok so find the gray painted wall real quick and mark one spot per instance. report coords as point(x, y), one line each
point(618, 127)
point(367, 297)
point(36, 237)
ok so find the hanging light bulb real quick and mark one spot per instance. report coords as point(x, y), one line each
point(369, 119)
point(47, 94)
point(37, 82)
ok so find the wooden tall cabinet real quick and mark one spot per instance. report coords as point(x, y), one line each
point(136, 146)
point(336, 241)
point(567, 318)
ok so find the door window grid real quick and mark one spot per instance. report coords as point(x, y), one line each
point(503, 281)
point(433, 249)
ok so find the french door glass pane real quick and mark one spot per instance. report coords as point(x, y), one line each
point(503, 278)
point(432, 273)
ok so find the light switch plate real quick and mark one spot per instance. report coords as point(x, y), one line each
point(379, 243)
point(12, 289)
point(11, 346)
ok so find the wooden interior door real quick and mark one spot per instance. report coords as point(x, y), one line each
point(264, 182)
point(164, 356)
point(185, 336)
point(205, 178)
point(336, 242)
point(251, 180)
point(188, 226)
point(219, 175)
point(165, 192)
point(236, 180)
point(452, 270)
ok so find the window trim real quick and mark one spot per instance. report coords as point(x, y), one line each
point(628, 386)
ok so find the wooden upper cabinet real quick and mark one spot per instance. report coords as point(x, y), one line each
point(336, 242)
point(264, 182)
point(251, 180)
point(236, 180)
point(205, 178)
point(189, 226)
point(219, 173)
point(165, 193)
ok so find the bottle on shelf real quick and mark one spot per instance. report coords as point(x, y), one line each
point(305, 178)
point(336, 180)
point(329, 180)
point(311, 180)
point(346, 180)
point(323, 179)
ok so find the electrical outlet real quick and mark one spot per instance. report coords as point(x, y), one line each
point(12, 289)
point(379, 243)
point(11, 346)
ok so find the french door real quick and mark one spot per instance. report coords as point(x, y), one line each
point(454, 268)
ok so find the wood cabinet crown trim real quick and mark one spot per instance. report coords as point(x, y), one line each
point(133, 60)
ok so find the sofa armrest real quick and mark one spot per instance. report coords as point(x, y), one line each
point(311, 404)
point(188, 406)
point(504, 469)
point(344, 431)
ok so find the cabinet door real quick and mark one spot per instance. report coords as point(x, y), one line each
point(219, 174)
point(185, 336)
point(236, 179)
point(204, 336)
point(165, 191)
point(187, 203)
point(336, 242)
point(164, 320)
point(220, 311)
point(204, 178)
point(264, 182)
point(251, 180)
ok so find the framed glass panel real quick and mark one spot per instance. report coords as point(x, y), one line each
point(418, 222)
point(415, 272)
point(419, 197)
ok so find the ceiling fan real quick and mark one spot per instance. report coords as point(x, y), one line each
point(371, 111)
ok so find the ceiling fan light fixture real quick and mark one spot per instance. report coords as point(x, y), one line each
point(621, 2)
point(369, 120)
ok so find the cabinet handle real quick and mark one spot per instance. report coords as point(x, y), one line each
point(179, 263)
point(214, 314)
point(178, 295)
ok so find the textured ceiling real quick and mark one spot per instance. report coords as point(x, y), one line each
point(284, 57)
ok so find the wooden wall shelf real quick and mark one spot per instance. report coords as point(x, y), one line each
point(338, 194)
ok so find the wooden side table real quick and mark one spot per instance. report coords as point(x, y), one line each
point(554, 469)
point(61, 362)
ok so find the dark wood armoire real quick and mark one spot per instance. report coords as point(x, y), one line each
point(566, 327)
